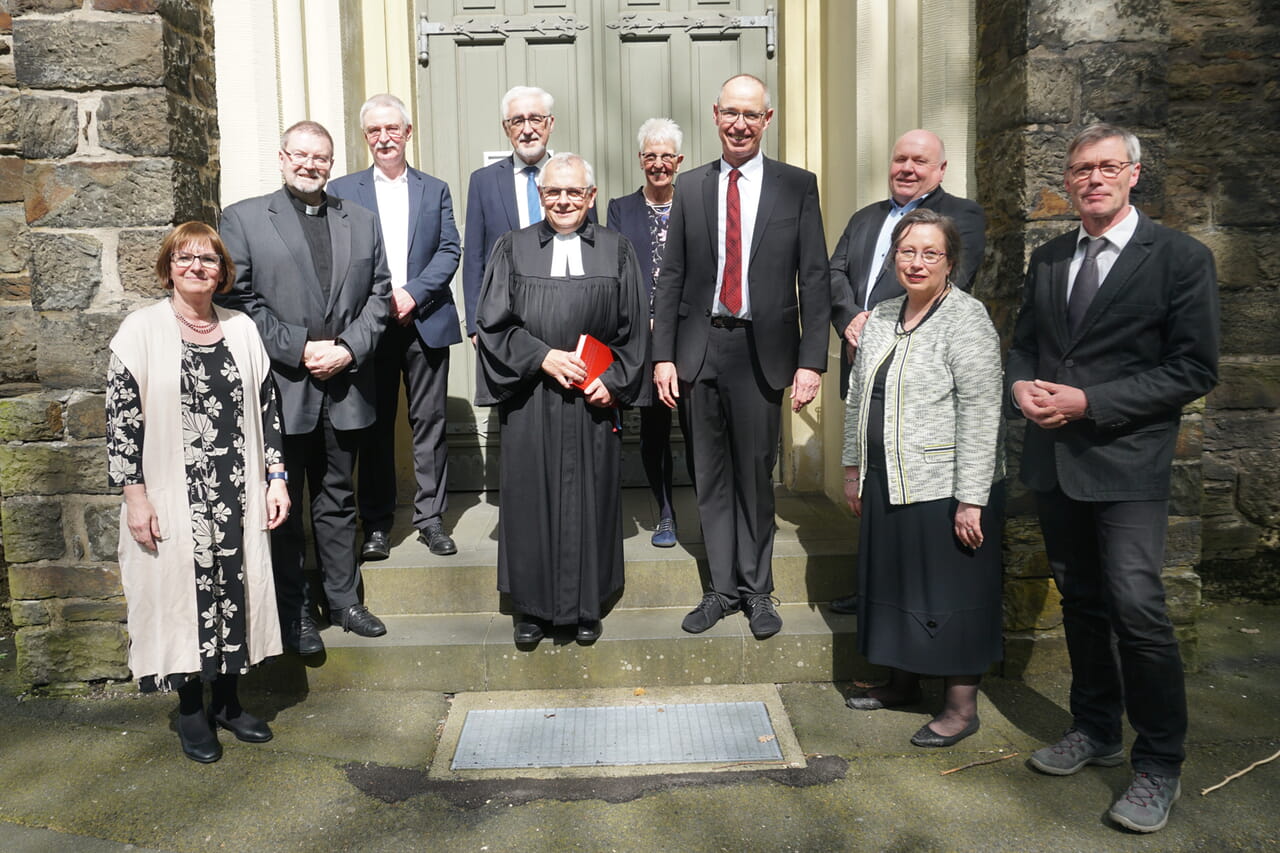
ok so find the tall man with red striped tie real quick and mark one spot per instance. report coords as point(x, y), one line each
point(740, 313)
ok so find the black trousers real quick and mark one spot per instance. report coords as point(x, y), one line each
point(731, 420)
point(1107, 560)
point(321, 461)
point(426, 389)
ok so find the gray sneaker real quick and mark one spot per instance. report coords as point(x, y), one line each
point(1145, 806)
point(1074, 751)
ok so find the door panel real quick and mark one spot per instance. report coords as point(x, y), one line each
point(607, 78)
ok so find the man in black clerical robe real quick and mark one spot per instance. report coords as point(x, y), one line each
point(560, 524)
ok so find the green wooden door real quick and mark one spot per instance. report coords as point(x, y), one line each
point(610, 64)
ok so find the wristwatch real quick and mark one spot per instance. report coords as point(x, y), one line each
point(277, 475)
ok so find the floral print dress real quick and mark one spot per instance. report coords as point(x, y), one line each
point(212, 400)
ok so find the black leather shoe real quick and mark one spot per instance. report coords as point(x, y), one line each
point(200, 744)
point(847, 605)
point(377, 546)
point(434, 537)
point(244, 726)
point(303, 637)
point(358, 620)
point(928, 737)
point(527, 630)
point(589, 631)
point(710, 610)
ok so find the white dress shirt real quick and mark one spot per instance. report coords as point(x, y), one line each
point(748, 203)
point(522, 181)
point(393, 217)
point(1118, 236)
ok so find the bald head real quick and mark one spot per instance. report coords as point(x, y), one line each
point(918, 165)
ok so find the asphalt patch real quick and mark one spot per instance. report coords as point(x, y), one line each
point(397, 784)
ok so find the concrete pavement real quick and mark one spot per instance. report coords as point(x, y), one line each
point(348, 770)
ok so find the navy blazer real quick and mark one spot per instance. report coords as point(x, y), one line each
point(629, 216)
point(787, 274)
point(491, 212)
point(1147, 346)
point(434, 249)
point(858, 244)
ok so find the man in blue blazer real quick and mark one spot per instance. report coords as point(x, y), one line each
point(503, 196)
point(415, 214)
point(1118, 330)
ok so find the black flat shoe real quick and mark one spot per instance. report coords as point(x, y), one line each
point(201, 746)
point(244, 726)
point(527, 630)
point(928, 737)
point(589, 631)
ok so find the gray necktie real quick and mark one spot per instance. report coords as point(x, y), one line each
point(1086, 284)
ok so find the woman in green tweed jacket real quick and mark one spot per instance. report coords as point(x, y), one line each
point(923, 469)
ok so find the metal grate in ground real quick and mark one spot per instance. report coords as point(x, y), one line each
point(600, 736)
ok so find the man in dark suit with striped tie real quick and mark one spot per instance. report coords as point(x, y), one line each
point(1118, 330)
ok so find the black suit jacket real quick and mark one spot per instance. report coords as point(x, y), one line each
point(787, 274)
point(849, 262)
point(434, 249)
point(276, 285)
point(1147, 346)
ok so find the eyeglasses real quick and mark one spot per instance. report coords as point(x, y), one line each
point(185, 259)
point(1109, 169)
point(573, 193)
point(732, 116)
point(929, 256)
point(649, 158)
point(521, 121)
point(395, 131)
point(299, 158)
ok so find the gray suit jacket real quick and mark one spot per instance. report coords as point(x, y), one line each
point(276, 285)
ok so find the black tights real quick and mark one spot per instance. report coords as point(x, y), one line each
point(225, 698)
point(960, 702)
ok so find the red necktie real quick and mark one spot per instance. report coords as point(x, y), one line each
point(731, 285)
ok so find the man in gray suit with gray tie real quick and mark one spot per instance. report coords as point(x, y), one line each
point(312, 273)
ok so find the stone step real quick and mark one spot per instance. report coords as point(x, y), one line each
point(813, 557)
point(640, 647)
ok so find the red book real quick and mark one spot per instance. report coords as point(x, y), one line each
point(597, 356)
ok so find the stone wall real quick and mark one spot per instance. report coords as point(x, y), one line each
point(108, 136)
point(1223, 74)
point(1197, 81)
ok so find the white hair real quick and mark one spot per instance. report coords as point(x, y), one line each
point(385, 100)
point(660, 130)
point(548, 102)
point(568, 158)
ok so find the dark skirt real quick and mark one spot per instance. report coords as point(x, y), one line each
point(926, 604)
